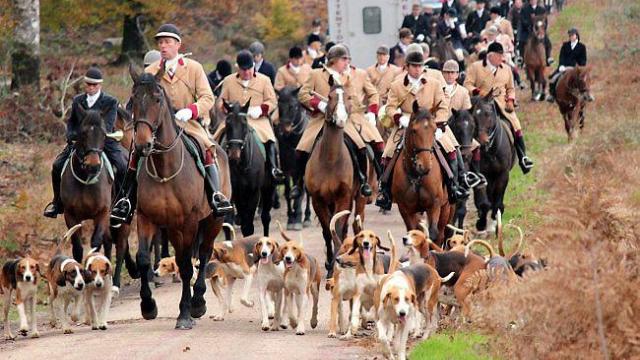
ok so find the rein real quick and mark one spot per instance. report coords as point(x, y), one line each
point(242, 144)
point(411, 162)
point(90, 180)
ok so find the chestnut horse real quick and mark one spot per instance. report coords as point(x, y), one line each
point(86, 191)
point(535, 59)
point(572, 94)
point(418, 184)
point(171, 194)
point(329, 174)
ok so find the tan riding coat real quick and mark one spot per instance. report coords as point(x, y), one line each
point(459, 99)
point(359, 92)
point(480, 77)
point(287, 77)
point(382, 79)
point(260, 91)
point(189, 88)
point(504, 27)
point(400, 101)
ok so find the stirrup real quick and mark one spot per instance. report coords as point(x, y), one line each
point(383, 201)
point(365, 189)
point(277, 175)
point(220, 204)
point(51, 210)
point(526, 162)
point(471, 179)
point(120, 212)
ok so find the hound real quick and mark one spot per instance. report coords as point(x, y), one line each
point(270, 278)
point(237, 261)
point(301, 280)
point(21, 275)
point(400, 297)
point(99, 285)
point(66, 278)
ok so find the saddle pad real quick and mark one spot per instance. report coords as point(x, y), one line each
point(506, 126)
point(105, 161)
point(194, 149)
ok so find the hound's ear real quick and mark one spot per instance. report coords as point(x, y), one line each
point(386, 299)
point(413, 299)
point(277, 256)
point(354, 245)
point(380, 244)
point(38, 270)
point(108, 268)
point(133, 72)
point(60, 280)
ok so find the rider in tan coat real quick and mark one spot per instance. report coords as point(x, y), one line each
point(186, 85)
point(295, 72)
point(249, 85)
point(493, 76)
point(363, 99)
point(383, 73)
point(416, 85)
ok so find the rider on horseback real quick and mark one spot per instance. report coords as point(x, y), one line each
point(96, 99)
point(249, 85)
point(573, 53)
point(417, 85)
point(363, 97)
point(491, 75)
point(187, 87)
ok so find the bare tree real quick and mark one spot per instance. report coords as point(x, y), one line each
point(25, 59)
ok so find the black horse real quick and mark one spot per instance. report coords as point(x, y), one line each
point(497, 154)
point(251, 185)
point(293, 121)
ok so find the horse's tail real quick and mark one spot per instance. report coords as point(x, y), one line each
point(467, 248)
point(60, 243)
point(282, 232)
point(332, 228)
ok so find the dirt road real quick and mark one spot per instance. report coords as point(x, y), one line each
point(237, 337)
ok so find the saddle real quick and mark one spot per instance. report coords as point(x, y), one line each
point(196, 151)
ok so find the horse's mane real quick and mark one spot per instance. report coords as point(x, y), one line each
point(93, 118)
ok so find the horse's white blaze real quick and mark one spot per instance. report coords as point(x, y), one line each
point(341, 115)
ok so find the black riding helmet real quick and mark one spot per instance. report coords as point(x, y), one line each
point(574, 31)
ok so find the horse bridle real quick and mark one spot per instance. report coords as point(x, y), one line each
point(241, 142)
point(157, 147)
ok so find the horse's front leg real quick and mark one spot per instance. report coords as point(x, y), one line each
point(433, 215)
point(307, 212)
point(101, 234)
point(210, 228)
point(121, 235)
point(265, 214)
point(146, 231)
point(322, 211)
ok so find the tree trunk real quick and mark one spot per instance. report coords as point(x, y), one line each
point(133, 45)
point(25, 59)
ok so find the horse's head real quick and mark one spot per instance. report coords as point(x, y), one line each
point(582, 82)
point(90, 144)
point(289, 108)
point(420, 138)
point(484, 112)
point(539, 26)
point(464, 127)
point(149, 102)
point(236, 128)
point(338, 109)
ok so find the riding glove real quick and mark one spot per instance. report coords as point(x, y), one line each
point(438, 133)
point(371, 118)
point(184, 114)
point(254, 112)
point(322, 106)
point(404, 121)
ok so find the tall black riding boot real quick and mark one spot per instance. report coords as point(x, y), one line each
point(456, 192)
point(365, 189)
point(377, 160)
point(525, 162)
point(301, 165)
point(55, 207)
point(276, 173)
point(218, 202)
point(384, 200)
point(123, 209)
point(547, 50)
point(467, 179)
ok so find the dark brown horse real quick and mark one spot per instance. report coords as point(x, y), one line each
point(535, 59)
point(86, 190)
point(171, 194)
point(329, 174)
point(418, 184)
point(573, 91)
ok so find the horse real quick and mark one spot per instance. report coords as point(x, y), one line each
point(329, 175)
point(535, 59)
point(250, 179)
point(293, 121)
point(572, 94)
point(171, 193)
point(418, 182)
point(497, 152)
point(86, 191)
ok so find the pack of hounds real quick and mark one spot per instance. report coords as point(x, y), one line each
point(402, 296)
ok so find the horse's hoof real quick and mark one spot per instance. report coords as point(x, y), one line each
point(103, 327)
point(306, 223)
point(247, 303)
point(35, 335)
point(184, 324)
point(198, 308)
point(23, 332)
point(149, 309)
point(67, 331)
point(94, 327)
point(314, 323)
point(297, 226)
point(217, 317)
point(283, 326)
